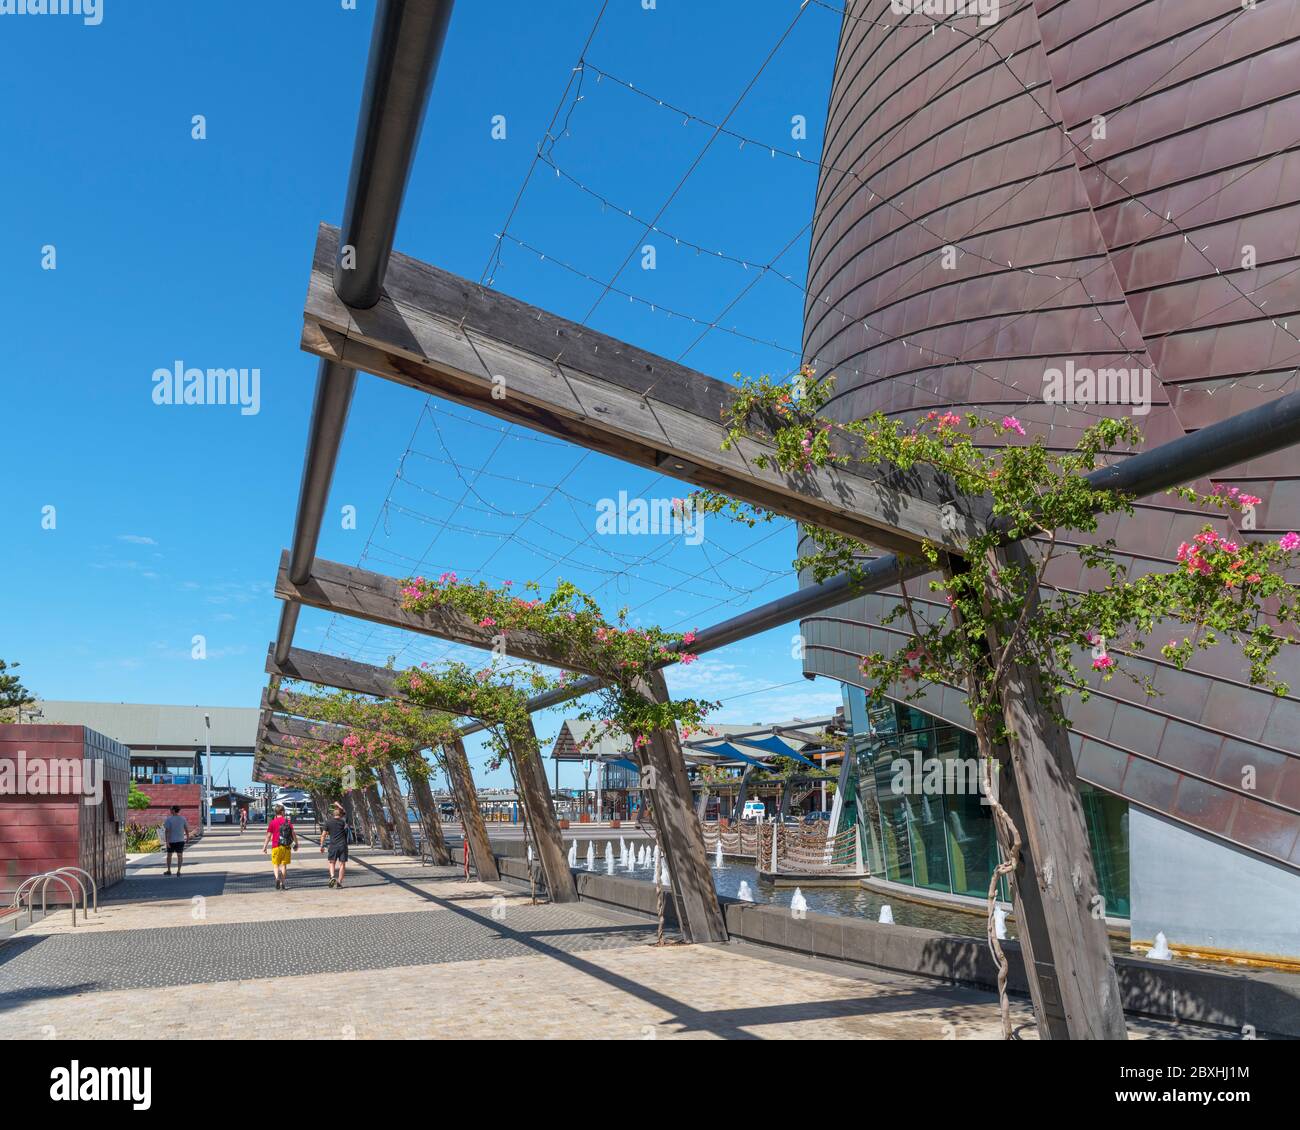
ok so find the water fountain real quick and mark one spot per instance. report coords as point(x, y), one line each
point(887, 914)
point(663, 870)
point(591, 855)
point(1000, 923)
point(573, 853)
point(641, 858)
point(717, 855)
point(609, 858)
point(630, 863)
point(622, 851)
point(1160, 950)
point(798, 904)
point(656, 860)
point(745, 894)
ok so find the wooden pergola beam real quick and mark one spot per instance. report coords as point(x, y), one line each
point(442, 334)
point(371, 596)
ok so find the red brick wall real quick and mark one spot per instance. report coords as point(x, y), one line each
point(163, 797)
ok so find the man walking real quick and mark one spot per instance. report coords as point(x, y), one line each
point(335, 836)
point(176, 831)
point(281, 839)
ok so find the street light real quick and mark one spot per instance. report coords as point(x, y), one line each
point(207, 772)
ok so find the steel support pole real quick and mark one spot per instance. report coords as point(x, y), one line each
point(1248, 435)
point(405, 44)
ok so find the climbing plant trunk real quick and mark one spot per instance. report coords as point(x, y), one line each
point(663, 775)
point(471, 816)
point(427, 808)
point(397, 808)
point(1059, 908)
point(377, 815)
point(535, 793)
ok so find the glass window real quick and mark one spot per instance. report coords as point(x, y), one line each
point(1107, 819)
point(895, 842)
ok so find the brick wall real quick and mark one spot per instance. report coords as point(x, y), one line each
point(162, 798)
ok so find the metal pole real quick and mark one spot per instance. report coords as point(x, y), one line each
point(405, 44)
point(207, 771)
point(1248, 435)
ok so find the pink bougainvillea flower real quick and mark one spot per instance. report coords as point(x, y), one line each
point(1013, 425)
point(487, 622)
point(1289, 542)
point(1103, 663)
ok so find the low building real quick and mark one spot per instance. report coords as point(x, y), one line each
point(167, 745)
point(63, 803)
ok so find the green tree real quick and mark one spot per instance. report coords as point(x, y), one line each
point(13, 695)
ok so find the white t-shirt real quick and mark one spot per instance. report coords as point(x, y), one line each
point(174, 829)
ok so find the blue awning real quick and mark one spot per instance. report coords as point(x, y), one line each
point(773, 744)
point(729, 751)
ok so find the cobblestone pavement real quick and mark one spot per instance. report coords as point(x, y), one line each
point(407, 950)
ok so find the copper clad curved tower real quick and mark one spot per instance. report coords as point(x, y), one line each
point(1117, 183)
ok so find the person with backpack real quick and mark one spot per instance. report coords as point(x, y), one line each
point(336, 833)
point(281, 839)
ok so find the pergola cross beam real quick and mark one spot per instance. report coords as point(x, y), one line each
point(442, 334)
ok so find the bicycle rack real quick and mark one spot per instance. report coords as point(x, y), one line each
point(94, 887)
point(29, 884)
point(66, 873)
point(17, 902)
point(63, 875)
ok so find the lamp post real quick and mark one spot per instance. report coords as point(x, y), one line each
point(207, 769)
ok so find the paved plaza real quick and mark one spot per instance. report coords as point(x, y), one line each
point(410, 950)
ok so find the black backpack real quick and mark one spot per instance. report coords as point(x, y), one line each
point(284, 834)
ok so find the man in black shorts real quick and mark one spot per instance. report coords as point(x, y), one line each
point(175, 832)
point(336, 835)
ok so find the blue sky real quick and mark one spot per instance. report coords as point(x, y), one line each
point(169, 520)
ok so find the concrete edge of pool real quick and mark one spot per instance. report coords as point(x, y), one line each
point(1264, 1002)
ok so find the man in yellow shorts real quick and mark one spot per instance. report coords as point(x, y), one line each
point(281, 839)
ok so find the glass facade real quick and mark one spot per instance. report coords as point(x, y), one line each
point(912, 786)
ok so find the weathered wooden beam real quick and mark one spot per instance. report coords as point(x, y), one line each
point(1059, 907)
point(334, 671)
point(472, 824)
point(376, 803)
point(361, 593)
point(430, 820)
point(539, 811)
point(663, 776)
point(439, 333)
point(396, 807)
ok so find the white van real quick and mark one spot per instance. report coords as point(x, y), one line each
point(753, 810)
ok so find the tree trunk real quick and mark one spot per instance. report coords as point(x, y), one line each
point(535, 793)
point(430, 820)
point(663, 774)
point(471, 816)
